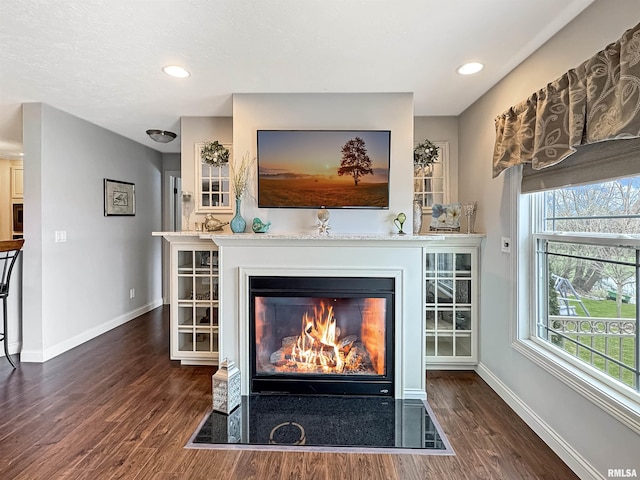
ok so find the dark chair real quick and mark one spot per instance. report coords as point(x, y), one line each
point(9, 253)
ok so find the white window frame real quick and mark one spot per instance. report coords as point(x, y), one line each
point(419, 183)
point(579, 376)
point(216, 175)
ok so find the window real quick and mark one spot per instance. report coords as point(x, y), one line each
point(587, 258)
point(213, 185)
point(431, 182)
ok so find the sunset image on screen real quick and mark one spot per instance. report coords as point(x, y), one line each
point(334, 169)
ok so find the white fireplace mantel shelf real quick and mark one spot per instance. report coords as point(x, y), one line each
point(301, 239)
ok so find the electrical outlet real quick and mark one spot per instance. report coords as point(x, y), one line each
point(132, 293)
point(506, 245)
point(61, 236)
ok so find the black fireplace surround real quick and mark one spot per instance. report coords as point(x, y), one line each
point(321, 335)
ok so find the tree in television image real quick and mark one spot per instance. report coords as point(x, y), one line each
point(330, 168)
point(355, 161)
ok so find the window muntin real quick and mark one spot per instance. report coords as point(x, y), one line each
point(587, 259)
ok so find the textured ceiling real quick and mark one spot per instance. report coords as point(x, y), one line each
point(101, 59)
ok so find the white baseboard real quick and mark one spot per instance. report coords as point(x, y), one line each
point(13, 347)
point(562, 448)
point(414, 394)
point(39, 356)
point(450, 366)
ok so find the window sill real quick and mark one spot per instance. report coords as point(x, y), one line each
point(621, 407)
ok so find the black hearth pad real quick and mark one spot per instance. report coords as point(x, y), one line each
point(324, 423)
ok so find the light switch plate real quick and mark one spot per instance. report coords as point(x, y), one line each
point(506, 245)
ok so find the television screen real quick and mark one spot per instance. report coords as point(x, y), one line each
point(323, 168)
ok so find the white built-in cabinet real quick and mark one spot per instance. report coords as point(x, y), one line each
point(451, 305)
point(195, 281)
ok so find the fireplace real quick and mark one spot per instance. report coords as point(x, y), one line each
point(321, 335)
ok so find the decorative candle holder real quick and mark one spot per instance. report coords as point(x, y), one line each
point(469, 210)
point(323, 224)
point(226, 387)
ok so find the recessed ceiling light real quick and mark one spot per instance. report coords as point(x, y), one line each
point(470, 68)
point(176, 71)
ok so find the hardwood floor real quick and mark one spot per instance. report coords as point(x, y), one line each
point(117, 407)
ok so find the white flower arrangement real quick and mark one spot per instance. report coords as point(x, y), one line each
point(425, 153)
point(240, 175)
point(214, 153)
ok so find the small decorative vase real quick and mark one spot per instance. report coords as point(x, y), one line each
point(417, 217)
point(238, 224)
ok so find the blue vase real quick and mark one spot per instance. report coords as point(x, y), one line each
point(238, 224)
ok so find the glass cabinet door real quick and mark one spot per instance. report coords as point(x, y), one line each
point(449, 305)
point(194, 317)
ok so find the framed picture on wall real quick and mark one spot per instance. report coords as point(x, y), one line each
point(119, 198)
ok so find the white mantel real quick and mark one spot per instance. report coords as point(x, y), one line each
point(395, 256)
point(294, 254)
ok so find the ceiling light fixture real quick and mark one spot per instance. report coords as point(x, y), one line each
point(161, 136)
point(470, 68)
point(176, 71)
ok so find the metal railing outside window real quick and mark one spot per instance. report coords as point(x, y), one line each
point(588, 301)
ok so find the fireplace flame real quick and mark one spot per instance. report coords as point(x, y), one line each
point(319, 345)
point(318, 341)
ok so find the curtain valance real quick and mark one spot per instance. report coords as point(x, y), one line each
point(598, 100)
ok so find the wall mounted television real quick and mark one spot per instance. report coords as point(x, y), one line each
point(323, 168)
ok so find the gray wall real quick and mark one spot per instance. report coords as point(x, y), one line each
point(170, 162)
point(569, 422)
point(77, 290)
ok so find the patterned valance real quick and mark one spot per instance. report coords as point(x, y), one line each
point(598, 100)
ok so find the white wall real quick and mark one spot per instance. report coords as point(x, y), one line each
point(305, 111)
point(600, 440)
point(77, 290)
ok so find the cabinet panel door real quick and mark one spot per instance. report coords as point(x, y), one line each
point(450, 306)
point(194, 303)
point(17, 183)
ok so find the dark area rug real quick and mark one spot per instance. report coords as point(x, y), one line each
point(324, 423)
